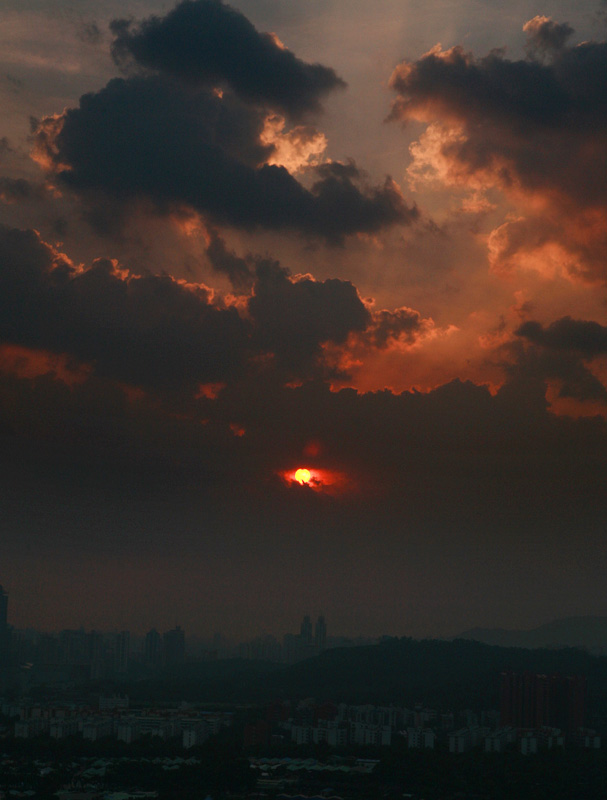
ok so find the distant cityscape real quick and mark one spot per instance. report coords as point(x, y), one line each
point(545, 706)
point(69, 693)
point(32, 656)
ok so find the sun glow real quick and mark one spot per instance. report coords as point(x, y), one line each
point(320, 480)
point(303, 475)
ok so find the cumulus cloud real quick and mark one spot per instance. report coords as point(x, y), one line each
point(148, 330)
point(297, 148)
point(545, 36)
point(208, 43)
point(533, 128)
point(294, 317)
point(166, 335)
point(562, 353)
point(404, 325)
point(149, 137)
point(537, 366)
point(584, 336)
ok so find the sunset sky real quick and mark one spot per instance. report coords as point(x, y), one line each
point(366, 240)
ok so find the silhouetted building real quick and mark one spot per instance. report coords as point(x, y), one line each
point(534, 701)
point(306, 630)
point(4, 639)
point(320, 634)
point(152, 648)
point(263, 648)
point(74, 647)
point(291, 648)
point(122, 651)
point(173, 645)
point(3, 610)
point(307, 643)
point(47, 649)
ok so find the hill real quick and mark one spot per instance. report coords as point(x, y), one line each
point(445, 674)
point(587, 632)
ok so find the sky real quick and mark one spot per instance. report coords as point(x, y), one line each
point(365, 240)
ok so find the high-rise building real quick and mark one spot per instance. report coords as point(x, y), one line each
point(4, 639)
point(152, 648)
point(173, 643)
point(74, 646)
point(122, 651)
point(535, 701)
point(3, 626)
point(306, 630)
point(320, 634)
point(3, 610)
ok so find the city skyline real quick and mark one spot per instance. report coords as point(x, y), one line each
point(302, 308)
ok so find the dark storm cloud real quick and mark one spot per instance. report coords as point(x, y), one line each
point(147, 137)
point(207, 43)
point(156, 332)
point(559, 351)
point(147, 330)
point(534, 129)
point(584, 336)
point(293, 318)
point(535, 366)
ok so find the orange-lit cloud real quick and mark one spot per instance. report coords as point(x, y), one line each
point(30, 363)
point(297, 148)
point(534, 129)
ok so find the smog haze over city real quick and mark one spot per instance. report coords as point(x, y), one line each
point(303, 311)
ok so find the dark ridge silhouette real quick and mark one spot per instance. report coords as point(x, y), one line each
point(444, 674)
point(589, 632)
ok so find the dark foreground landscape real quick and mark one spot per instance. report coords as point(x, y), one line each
point(402, 718)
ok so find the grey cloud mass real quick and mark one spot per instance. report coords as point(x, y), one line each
point(584, 336)
point(208, 43)
point(143, 330)
point(149, 137)
point(154, 331)
point(294, 317)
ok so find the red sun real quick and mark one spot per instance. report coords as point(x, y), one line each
point(320, 480)
point(302, 475)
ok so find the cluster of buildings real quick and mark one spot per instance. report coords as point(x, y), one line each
point(557, 719)
point(71, 657)
point(343, 725)
point(113, 719)
point(77, 656)
point(310, 641)
point(29, 657)
point(526, 740)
